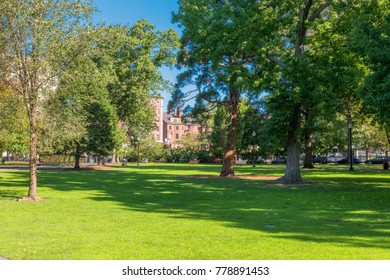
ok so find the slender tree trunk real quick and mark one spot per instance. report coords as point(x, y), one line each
point(308, 162)
point(33, 189)
point(228, 158)
point(388, 141)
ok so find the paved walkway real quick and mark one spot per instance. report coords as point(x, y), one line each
point(2, 258)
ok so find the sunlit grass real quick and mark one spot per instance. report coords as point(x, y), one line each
point(187, 212)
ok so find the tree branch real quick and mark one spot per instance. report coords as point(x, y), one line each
point(277, 61)
point(320, 10)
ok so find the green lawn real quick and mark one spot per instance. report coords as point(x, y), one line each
point(172, 212)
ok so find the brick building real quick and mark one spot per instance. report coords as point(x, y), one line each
point(157, 133)
point(170, 128)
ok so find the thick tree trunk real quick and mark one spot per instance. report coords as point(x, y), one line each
point(293, 171)
point(77, 157)
point(77, 161)
point(308, 162)
point(228, 158)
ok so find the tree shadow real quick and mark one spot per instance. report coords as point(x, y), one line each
point(10, 188)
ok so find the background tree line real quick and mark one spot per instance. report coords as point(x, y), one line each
point(294, 72)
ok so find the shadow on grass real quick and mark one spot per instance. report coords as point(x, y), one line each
point(10, 183)
point(352, 211)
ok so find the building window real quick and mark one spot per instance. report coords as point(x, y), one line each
point(177, 127)
point(177, 136)
point(170, 127)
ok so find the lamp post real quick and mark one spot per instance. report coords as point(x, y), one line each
point(350, 154)
point(253, 149)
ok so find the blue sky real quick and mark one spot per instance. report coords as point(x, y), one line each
point(157, 12)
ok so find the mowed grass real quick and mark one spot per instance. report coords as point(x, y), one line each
point(186, 212)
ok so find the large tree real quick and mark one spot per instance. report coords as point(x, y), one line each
point(83, 100)
point(371, 33)
point(39, 39)
point(13, 124)
point(215, 40)
point(136, 54)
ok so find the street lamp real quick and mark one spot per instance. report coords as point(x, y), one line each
point(253, 149)
point(350, 155)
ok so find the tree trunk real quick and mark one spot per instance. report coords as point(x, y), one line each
point(388, 141)
point(308, 162)
point(77, 161)
point(33, 189)
point(114, 157)
point(293, 171)
point(228, 158)
point(77, 157)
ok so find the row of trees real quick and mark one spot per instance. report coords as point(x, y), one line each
point(68, 86)
point(308, 61)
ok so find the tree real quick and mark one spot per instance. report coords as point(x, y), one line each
point(39, 40)
point(136, 53)
point(83, 96)
point(13, 124)
point(370, 39)
point(220, 65)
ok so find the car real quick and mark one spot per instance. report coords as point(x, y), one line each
point(333, 158)
point(279, 160)
point(319, 159)
point(315, 159)
point(378, 160)
point(356, 160)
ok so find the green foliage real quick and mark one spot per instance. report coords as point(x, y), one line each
point(136, 53)
point(13, 124)
point(218, 135)
point(84, 97)
point(39, 40)
point(371, 31)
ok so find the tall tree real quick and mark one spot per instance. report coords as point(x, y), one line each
point(83, 96)
point(40, 39)
point(137, 53)
point(13, 124)
point(214, 49)
point(371, 33)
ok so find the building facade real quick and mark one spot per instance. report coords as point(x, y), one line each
point(170, 127)
point(157, 133)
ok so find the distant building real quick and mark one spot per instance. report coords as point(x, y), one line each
point(170, 128)
point(157, 133)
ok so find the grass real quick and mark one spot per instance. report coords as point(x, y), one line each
point(171, 212)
